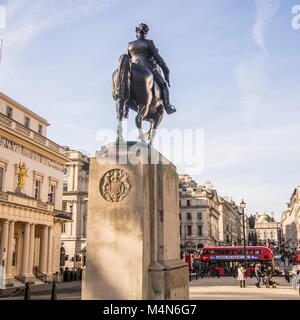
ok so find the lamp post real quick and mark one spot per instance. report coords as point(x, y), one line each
point(242, 207)
point(185, 248)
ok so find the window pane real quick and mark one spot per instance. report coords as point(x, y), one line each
point(37, 190)
point(26, 122)
point(9, 112)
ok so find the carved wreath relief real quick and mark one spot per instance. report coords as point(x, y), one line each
point(115, 185)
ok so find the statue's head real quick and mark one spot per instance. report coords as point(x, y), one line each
point(142, 29)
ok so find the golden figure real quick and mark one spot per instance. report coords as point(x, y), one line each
point(21, 175)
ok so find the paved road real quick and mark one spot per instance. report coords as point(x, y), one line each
point(228, 288)
point(202, 289)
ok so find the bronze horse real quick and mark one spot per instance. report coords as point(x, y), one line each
point(134, 88)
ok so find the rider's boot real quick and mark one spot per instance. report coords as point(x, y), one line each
point(168, 107)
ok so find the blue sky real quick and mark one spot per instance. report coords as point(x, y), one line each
point(234, 73)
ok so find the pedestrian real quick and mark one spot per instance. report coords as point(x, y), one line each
point(241, 276)
point(258, 274)
point(286, 275)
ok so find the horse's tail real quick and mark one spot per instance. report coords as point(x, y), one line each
point(121, 79)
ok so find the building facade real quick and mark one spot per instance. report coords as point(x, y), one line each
point(199, 215)
point(75, 201)
point(268, 231)
point(231, 227)
point(31, 187)
point(290, 219)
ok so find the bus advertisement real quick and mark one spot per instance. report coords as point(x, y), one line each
point(226, 259)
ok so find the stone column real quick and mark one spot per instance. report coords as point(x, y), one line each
point(9, 276)
point(50, 252)
point(31, 250)
point(4, 241)
point(44, 250)
point(25, 251)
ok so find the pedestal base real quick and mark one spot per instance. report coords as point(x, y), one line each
point(133, 242)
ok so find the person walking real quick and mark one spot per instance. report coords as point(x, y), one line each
point(241, 276)
point(258, 274)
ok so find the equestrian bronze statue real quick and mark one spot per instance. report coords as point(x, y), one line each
point(138, 84)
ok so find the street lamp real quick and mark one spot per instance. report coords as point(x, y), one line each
point(185, 246)
point(242, 211)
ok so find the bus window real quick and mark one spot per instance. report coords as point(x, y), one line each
point(237, 251)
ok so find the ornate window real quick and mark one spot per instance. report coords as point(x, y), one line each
point(52, 194)
point(65, 186)
point(40, 129)
point(64, 206)
point(188, 216)
point(9, 111)
point(199, 230)
point(199, 215)
point(37, 189)
point(189, 230)
point(26, 122)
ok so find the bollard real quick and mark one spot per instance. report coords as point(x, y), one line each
point(53, 291)
point(27, 291)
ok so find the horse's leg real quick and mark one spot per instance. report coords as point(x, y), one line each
point(139, 118)
point(120, 131)
point(119, 107)
point(155, 124)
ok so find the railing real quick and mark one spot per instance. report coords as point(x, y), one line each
point(42, 205)
point(17, 198)
point(39, 275)
point(3, 196)
point(5, 120)
point(53, 146)
point(20, 128)
point(39, 138)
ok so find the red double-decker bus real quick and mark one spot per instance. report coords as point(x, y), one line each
point(226, 259)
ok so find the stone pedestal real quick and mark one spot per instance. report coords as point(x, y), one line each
point(133, 240)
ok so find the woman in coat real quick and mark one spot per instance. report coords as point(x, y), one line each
point(241, 276)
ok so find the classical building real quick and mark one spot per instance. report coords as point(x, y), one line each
point(231, 227)
point(31, 188)
point(199, 215)
point(268, 231)
point(290, 220)
point(75, 201)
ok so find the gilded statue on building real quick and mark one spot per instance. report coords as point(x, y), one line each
point(21, 175)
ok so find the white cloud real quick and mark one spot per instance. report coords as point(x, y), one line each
point(265, 12)
point(252, 81)
point(28, 18)
point(251, 75)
